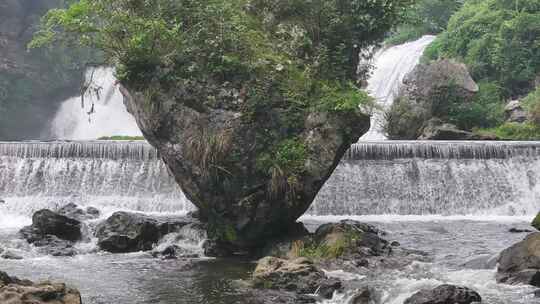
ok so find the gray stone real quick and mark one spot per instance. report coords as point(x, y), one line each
point(521, 262)
point(427, 92)
point(130, 232)
point(300, 276)
point(366, 295)
point(15, 291)
point(515, 112)
point(212, 147)
point(46, 222)
point(445, 294)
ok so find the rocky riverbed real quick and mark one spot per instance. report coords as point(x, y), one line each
point(394, 259)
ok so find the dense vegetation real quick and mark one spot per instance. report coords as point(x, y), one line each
point(499, 41)
point(422, 18)
point(297, 55)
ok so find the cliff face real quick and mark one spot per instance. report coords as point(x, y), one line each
point(32, 83)
point(214, 149)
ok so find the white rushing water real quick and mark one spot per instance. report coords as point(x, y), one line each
point(392, 178)
point(108, 115)
point(390, 67)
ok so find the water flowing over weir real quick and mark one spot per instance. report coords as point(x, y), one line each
point(108, 175)
point(443, 178)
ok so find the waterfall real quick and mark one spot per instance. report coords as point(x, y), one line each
point(108, 175)
point(389, 177)
point(391, 66)
point(102, 114)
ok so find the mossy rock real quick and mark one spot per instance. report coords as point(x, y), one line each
point(536, 222)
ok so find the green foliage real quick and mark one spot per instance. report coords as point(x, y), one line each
point(121, 137)
point(264, 43)
point(326, 250)
point(485, 111)
point(532, 104)
point(514, 131)
point(424, 17)
point(498, 40)
point(336, 97)
point(536, 222)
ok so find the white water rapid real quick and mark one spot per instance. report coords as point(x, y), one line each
point(391, 66)
point(107, 117)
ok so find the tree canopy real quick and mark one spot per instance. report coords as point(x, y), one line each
point(231, 40)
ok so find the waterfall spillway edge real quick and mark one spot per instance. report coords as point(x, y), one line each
point(407, 178)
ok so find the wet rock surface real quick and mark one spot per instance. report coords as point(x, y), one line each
point(299, 275)
point(75, 212)
point(521, 262)
point(366, 295)
point(16, 291)
point(130, 232)
point(445, 294)
point(234, 194)
point(47, 222)
point(53, 233)
point(426, 94)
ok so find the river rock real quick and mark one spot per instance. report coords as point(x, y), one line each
point(300, 276)
point(15, 291)
point(354, 237)
point(130, 232)
point(436, 129)
point(221, 153)
point(366, 295)
point(521, 262)
point(427, 93)
point(445, 294)
point(48, 222)
point(73, 211)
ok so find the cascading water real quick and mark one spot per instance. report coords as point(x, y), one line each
point(108, 175)
point(391, 66)
point(408, 178)
point(102, 114)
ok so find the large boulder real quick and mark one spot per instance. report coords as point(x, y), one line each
point(515, 112)
point(15, 291)
point(131, 232)
point(428, 92)
point(436, 129)
point(521, 262)
point(251, 172)
point(299, 275)
point(48, 223)
point(445, 294)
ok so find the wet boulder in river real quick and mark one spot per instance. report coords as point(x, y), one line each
point(131, 232)
point(445, 294)
point(299, 275)
point(46, 222)
point(521, 262)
